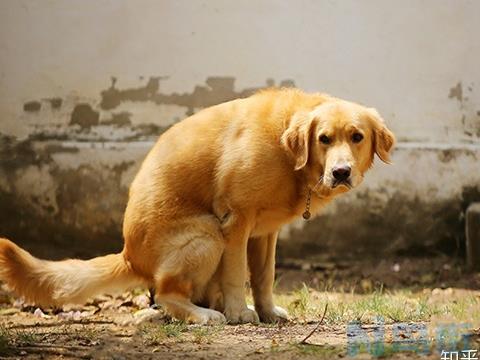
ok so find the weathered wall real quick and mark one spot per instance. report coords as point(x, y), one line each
point(86, 87)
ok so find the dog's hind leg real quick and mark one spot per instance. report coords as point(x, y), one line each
point(182, 276)
point(174, 294)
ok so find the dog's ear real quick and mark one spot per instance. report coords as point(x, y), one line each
point(383, 138)
point(296, 138)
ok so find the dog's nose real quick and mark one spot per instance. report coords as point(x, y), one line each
point(341, 173)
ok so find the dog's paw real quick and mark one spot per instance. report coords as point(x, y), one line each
point(241, 316)
point(275, 314)
point(206, 316)
point(147, 315)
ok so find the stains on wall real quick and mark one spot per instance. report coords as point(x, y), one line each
point(456, 92)
point(91, 202)
point(56, 211)
point(54, 148)
point(119, 119)
point(32, 106)
point(16, 154)
point(84, 116)
point(55, 102)
point(371, 225)
point(470, 114)
point(54, 194)
point(84, 120)
point(450, 156)
point(35, 105)
point(112, 97)
point(215, 91)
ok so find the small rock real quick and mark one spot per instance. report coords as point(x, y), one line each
point(66, 315)
point(141, 301)
point(77, 315)
point(85, 314)
point(39, 313)
point(74, 315)
point(111, 304)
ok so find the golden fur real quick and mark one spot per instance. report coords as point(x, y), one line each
point(210, 198)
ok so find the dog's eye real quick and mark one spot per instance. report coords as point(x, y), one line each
point(325, 139)
point(357, 137)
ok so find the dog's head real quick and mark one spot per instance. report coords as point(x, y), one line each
point(335, 143)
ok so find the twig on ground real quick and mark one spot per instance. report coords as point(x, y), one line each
point(61, 323)
point(304, 341)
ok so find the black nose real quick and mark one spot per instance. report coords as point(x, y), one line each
point(341, 173)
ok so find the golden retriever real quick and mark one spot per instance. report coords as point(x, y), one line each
point(209, 200)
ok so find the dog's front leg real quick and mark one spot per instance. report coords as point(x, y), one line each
point(261, 260)
point(236, 230)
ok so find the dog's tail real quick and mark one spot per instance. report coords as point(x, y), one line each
point(63, 282)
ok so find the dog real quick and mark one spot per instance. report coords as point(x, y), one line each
point(205, 208)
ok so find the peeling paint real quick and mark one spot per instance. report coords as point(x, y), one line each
point(216, 91)
point(456, 92)
point(78, 206)
point(134, 122)
point(74, 207)
point(119, 119)
point(85, 116)
point(147, 130)
point(91, 200)
point(15, 154)
point(32, 106)
point(34, 230)
point(112, 97)
point(470, 123)
point(446, 156)
point(82, 157)
point(59, 148)
point(55, 103)
point(442, 227)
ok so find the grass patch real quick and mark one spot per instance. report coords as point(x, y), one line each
point(393, 307)
point(24, 337)
point(155, 334)
point(85, 334)
point(204, 334)
point(5, 339)
point(301, 304)
point(10, 338)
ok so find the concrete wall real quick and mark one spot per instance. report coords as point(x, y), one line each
point(87, 86)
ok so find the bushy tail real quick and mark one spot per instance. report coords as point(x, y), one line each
point(54, 283)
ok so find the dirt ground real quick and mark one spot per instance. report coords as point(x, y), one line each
point(398, 308)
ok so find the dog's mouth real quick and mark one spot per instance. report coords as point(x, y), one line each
point(347, 183)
